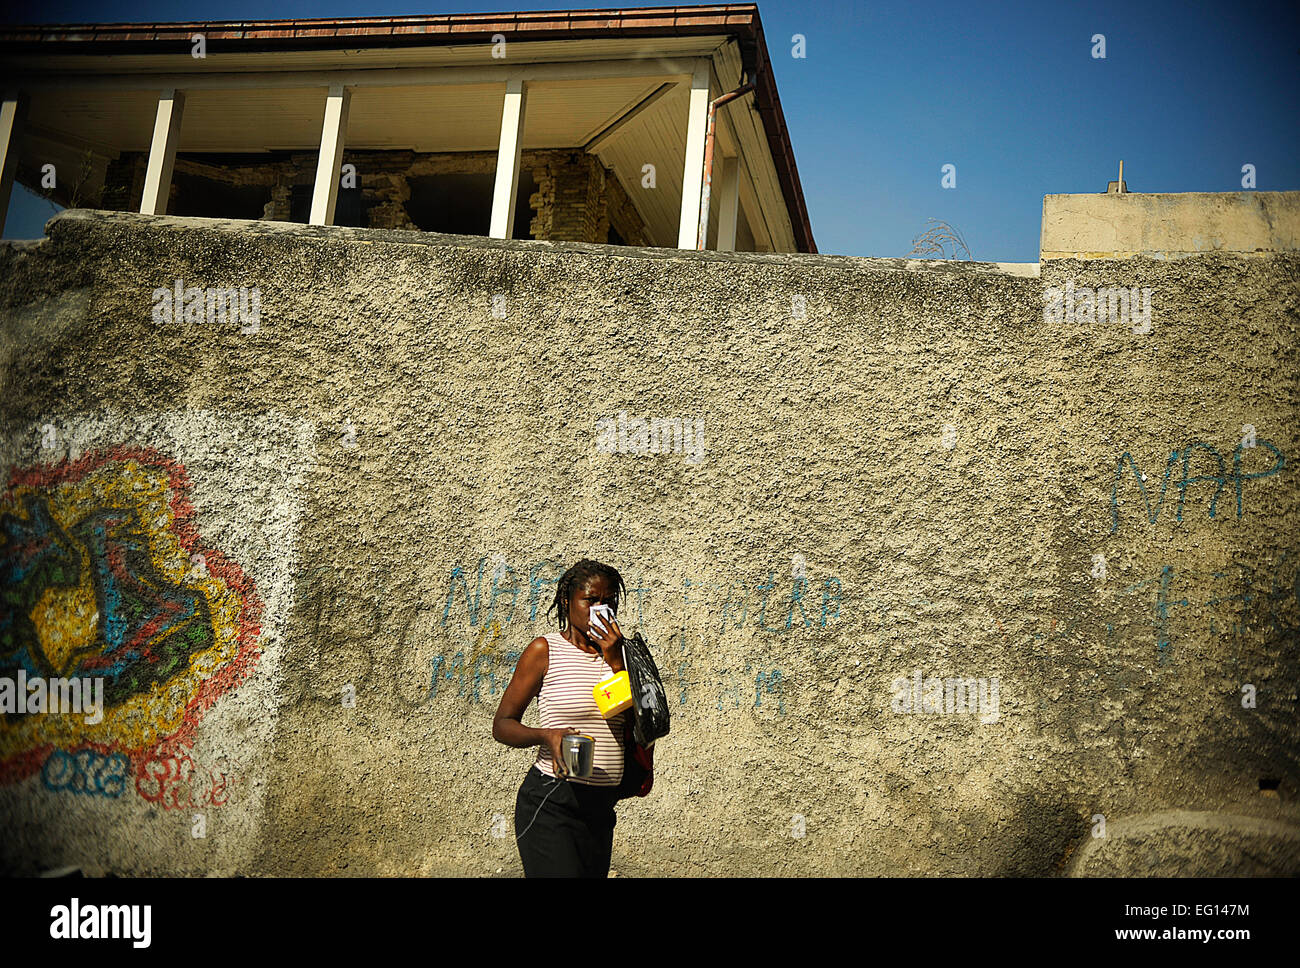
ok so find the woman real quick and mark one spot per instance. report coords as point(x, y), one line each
point(564, 826)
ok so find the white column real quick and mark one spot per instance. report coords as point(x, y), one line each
point(728, 201)
point(11, 112)
point(697, 120)
point(507, 181)
point(162, 153)
point(325, 192)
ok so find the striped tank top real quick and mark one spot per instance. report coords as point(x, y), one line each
point(566, 700)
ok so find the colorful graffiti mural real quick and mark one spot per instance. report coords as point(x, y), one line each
point(103, 574)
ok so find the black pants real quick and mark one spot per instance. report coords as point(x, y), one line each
point(573, 832)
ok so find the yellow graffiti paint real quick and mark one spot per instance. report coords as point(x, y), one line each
point(69, 625)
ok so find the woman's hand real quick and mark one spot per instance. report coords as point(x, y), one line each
point(610, 642)
point(553, 737)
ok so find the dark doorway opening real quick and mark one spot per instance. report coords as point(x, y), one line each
point(461, 204)
point(199, 197)
point(350, 208)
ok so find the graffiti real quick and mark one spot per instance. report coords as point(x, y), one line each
point(736, 603)
point(733, 688)
point(345, 629)
point(504, 583)
point(1178, 602)
point(766, 604)
point(1174, 601)
point(485, 666)
point(1270, 606)
point(105, 575)
point(775, 686)
point(1267, 599)
point(1221, 480)
point(169, 778)
point(353, 633)
point(86, 771)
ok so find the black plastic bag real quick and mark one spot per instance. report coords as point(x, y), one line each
point(649, 698)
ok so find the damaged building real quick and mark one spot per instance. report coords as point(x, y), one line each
point(642, 127)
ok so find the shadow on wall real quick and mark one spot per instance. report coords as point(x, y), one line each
point(1046, 831)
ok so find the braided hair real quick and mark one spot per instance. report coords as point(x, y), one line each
point(576, 577)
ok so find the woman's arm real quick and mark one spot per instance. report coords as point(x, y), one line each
point(525, 684)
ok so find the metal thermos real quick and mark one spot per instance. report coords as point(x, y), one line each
point(579, 753)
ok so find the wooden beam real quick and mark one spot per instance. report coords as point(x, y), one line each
point(12, 110)
point(619, 125)
point(39, 132)
point(632, 189)
point(162, 152)
point(507, 180)
point(752, 206)
point(697, 117)
point(728, 202)
point(334, 130)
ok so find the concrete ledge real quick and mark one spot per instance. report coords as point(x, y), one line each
point(1169, 226)
point(1187, 843)
point(334, 233)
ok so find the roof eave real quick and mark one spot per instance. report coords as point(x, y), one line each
point(738, 20)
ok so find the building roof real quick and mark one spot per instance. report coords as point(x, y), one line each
point(739, 21)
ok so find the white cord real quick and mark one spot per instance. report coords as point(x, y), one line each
point(555, 781)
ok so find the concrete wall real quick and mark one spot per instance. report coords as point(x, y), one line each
point(1169, 225)
point(339, 526)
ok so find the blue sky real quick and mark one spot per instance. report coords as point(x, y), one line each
point(1009, 93)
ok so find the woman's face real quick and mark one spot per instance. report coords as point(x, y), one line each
point(594, 591)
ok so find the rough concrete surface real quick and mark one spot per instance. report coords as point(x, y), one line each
point(335, 529)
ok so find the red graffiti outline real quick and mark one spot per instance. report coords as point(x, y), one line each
point(229, 676)
point(170, 769)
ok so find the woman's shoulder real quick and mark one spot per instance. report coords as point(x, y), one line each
point(541, 646)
